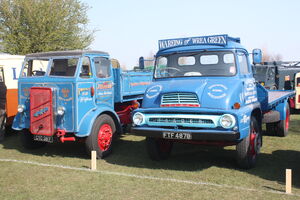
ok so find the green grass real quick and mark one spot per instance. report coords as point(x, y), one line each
point(212, 165)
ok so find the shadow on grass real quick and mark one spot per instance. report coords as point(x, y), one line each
point(184, 157)
point(68, 149)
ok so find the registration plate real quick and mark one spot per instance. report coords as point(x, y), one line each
point(43, 138)
point(178, 136)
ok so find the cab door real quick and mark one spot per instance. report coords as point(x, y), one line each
point(248, 81)
point(104, 82)
point(85, 89)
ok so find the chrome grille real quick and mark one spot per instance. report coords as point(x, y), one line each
point(180, 98)
point(180, 120)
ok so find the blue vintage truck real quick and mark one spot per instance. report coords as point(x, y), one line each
point(76, 95)
point(204, 92)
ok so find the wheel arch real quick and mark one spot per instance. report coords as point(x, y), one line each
point(116, 119)
point(257, 113)
point(87, 123)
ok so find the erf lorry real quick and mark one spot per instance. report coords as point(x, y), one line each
point(204, 92)
point(10, 66)
point(76, 96)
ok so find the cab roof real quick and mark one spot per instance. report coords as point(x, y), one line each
point(212, 42)
point(65, 53)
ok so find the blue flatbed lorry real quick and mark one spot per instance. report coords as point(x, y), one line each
point(204, 92)
point(76, 96)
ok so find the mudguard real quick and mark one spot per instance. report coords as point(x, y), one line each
point(86, 124)
point(244, 117)
point(281, 108)
point(19, 122)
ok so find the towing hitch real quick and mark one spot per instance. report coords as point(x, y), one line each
point(61, 135)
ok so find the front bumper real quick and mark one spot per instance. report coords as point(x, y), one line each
point(209, 135)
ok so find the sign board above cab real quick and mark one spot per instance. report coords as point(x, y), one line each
point(219, 40)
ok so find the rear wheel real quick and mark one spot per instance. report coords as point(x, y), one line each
point(280, 128)
point(248, 149)
point(28, 142)
point(270, 128)
point(102, 136)
point(158, 149)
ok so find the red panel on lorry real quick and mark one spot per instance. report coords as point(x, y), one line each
point(41, 111)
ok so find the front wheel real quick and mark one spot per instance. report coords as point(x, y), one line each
point(102, 136)
point(248, 149)
point(28, 142)
point(158, 149)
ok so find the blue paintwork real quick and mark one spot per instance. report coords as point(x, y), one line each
point(74, 94)
point(216, 95)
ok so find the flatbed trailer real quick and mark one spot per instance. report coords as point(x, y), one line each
point(279, 75)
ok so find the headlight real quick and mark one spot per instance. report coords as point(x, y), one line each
point(138, 118)
point(21, 108)
point(61, 110)
point(227, 121)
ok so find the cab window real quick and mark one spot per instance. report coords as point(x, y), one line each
point(242, 59)
point(85, 70)
point(102, 66)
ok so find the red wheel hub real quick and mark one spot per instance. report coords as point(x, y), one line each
point(105, 137)
point(287, 120)
point(254, 143)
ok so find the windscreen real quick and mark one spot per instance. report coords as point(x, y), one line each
point(221, 63)
point(64, 67)
point(35, 67)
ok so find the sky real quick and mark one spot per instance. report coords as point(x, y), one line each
point(128, 29)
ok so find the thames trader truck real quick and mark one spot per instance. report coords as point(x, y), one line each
point(76, 96)
point(204, 92)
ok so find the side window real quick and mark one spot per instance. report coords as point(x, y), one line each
point(243, 63)
point(102, 66)
point(85, 71)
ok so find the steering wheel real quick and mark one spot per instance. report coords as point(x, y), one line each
point(170, 73)
point(37, 73)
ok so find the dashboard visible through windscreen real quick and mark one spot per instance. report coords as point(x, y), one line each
point(221, 63)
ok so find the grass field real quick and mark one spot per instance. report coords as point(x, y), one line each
point(61, 171)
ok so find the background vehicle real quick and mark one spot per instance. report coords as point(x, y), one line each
point(280, 76)
point(10, 66)
point(204, 92)
point(76, 95)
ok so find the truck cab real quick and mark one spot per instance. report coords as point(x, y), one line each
point(204, 92)
point(76, 95)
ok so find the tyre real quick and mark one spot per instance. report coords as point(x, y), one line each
point(28, 142)
point(158, 149)
point(102, 136)
point(248, 149)
point(280, 128)
point(270, 128)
